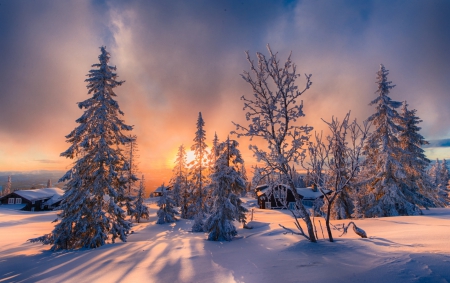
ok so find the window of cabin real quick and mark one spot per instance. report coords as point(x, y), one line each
point(18, 200)
point(268, 205)
point(11, 201)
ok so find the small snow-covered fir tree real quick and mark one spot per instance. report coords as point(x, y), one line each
point(213, 154)
point(198, 174)
point(443, 182)
point(212, 157)
point(434, 172)
point(180, 172)
point(167, 211)
point(387, 190)
point(131, 153)
point(140, 209)
point(444, 174)
point(227, 183)
point(95, 189)
point(8, 187)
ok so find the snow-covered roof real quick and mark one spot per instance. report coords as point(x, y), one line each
point(261, 192)
point(39, 194)
point(160, 189)
point(308, 193)
point(54, 199)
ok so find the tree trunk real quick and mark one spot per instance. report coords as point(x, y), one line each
point(327, 222)
point(306, 218)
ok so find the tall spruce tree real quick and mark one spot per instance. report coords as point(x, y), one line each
point(91, 212)
point(387, 189)
point(198, 174)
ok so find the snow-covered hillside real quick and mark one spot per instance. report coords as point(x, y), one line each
point(399, 249)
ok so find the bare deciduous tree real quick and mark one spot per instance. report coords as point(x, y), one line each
point(272, 114)
point(340, 156)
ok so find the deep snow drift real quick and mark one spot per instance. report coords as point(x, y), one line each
point(399, 249)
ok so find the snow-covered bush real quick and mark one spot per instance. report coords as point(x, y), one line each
point(140, 209)
point(167, 211)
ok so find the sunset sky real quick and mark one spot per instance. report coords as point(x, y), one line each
point(182, 57)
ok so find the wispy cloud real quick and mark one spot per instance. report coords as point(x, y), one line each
point(439, 143)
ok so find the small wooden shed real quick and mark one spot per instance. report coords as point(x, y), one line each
point(35, 200)
point(280, 196)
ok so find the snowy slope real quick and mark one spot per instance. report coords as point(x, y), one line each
point(399, 249)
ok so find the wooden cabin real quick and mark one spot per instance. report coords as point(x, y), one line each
point(281, 196)
point(159, 191)
point(34, 200)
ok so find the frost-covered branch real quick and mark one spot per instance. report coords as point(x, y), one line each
point(358, 231)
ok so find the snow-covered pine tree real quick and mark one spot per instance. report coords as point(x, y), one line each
point(131, 151)
point(96, 184)
point(248, 184)
point(140, 209)
point(272, 114)
point(444, 179)
point(166, 212)
point(213, 153)
point(387, 191)
point(178, 180)
point(198, 176)
point(434, 172)
point(8, 187)
point(212, 157)
point(413, 158)
point(227, 183)
point(49, 183)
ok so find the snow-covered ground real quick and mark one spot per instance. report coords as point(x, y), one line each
point(399, 249)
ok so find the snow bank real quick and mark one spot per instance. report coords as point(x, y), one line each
point(399, 249)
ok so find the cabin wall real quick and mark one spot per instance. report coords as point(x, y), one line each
point(15, 197)
point(29, 205)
